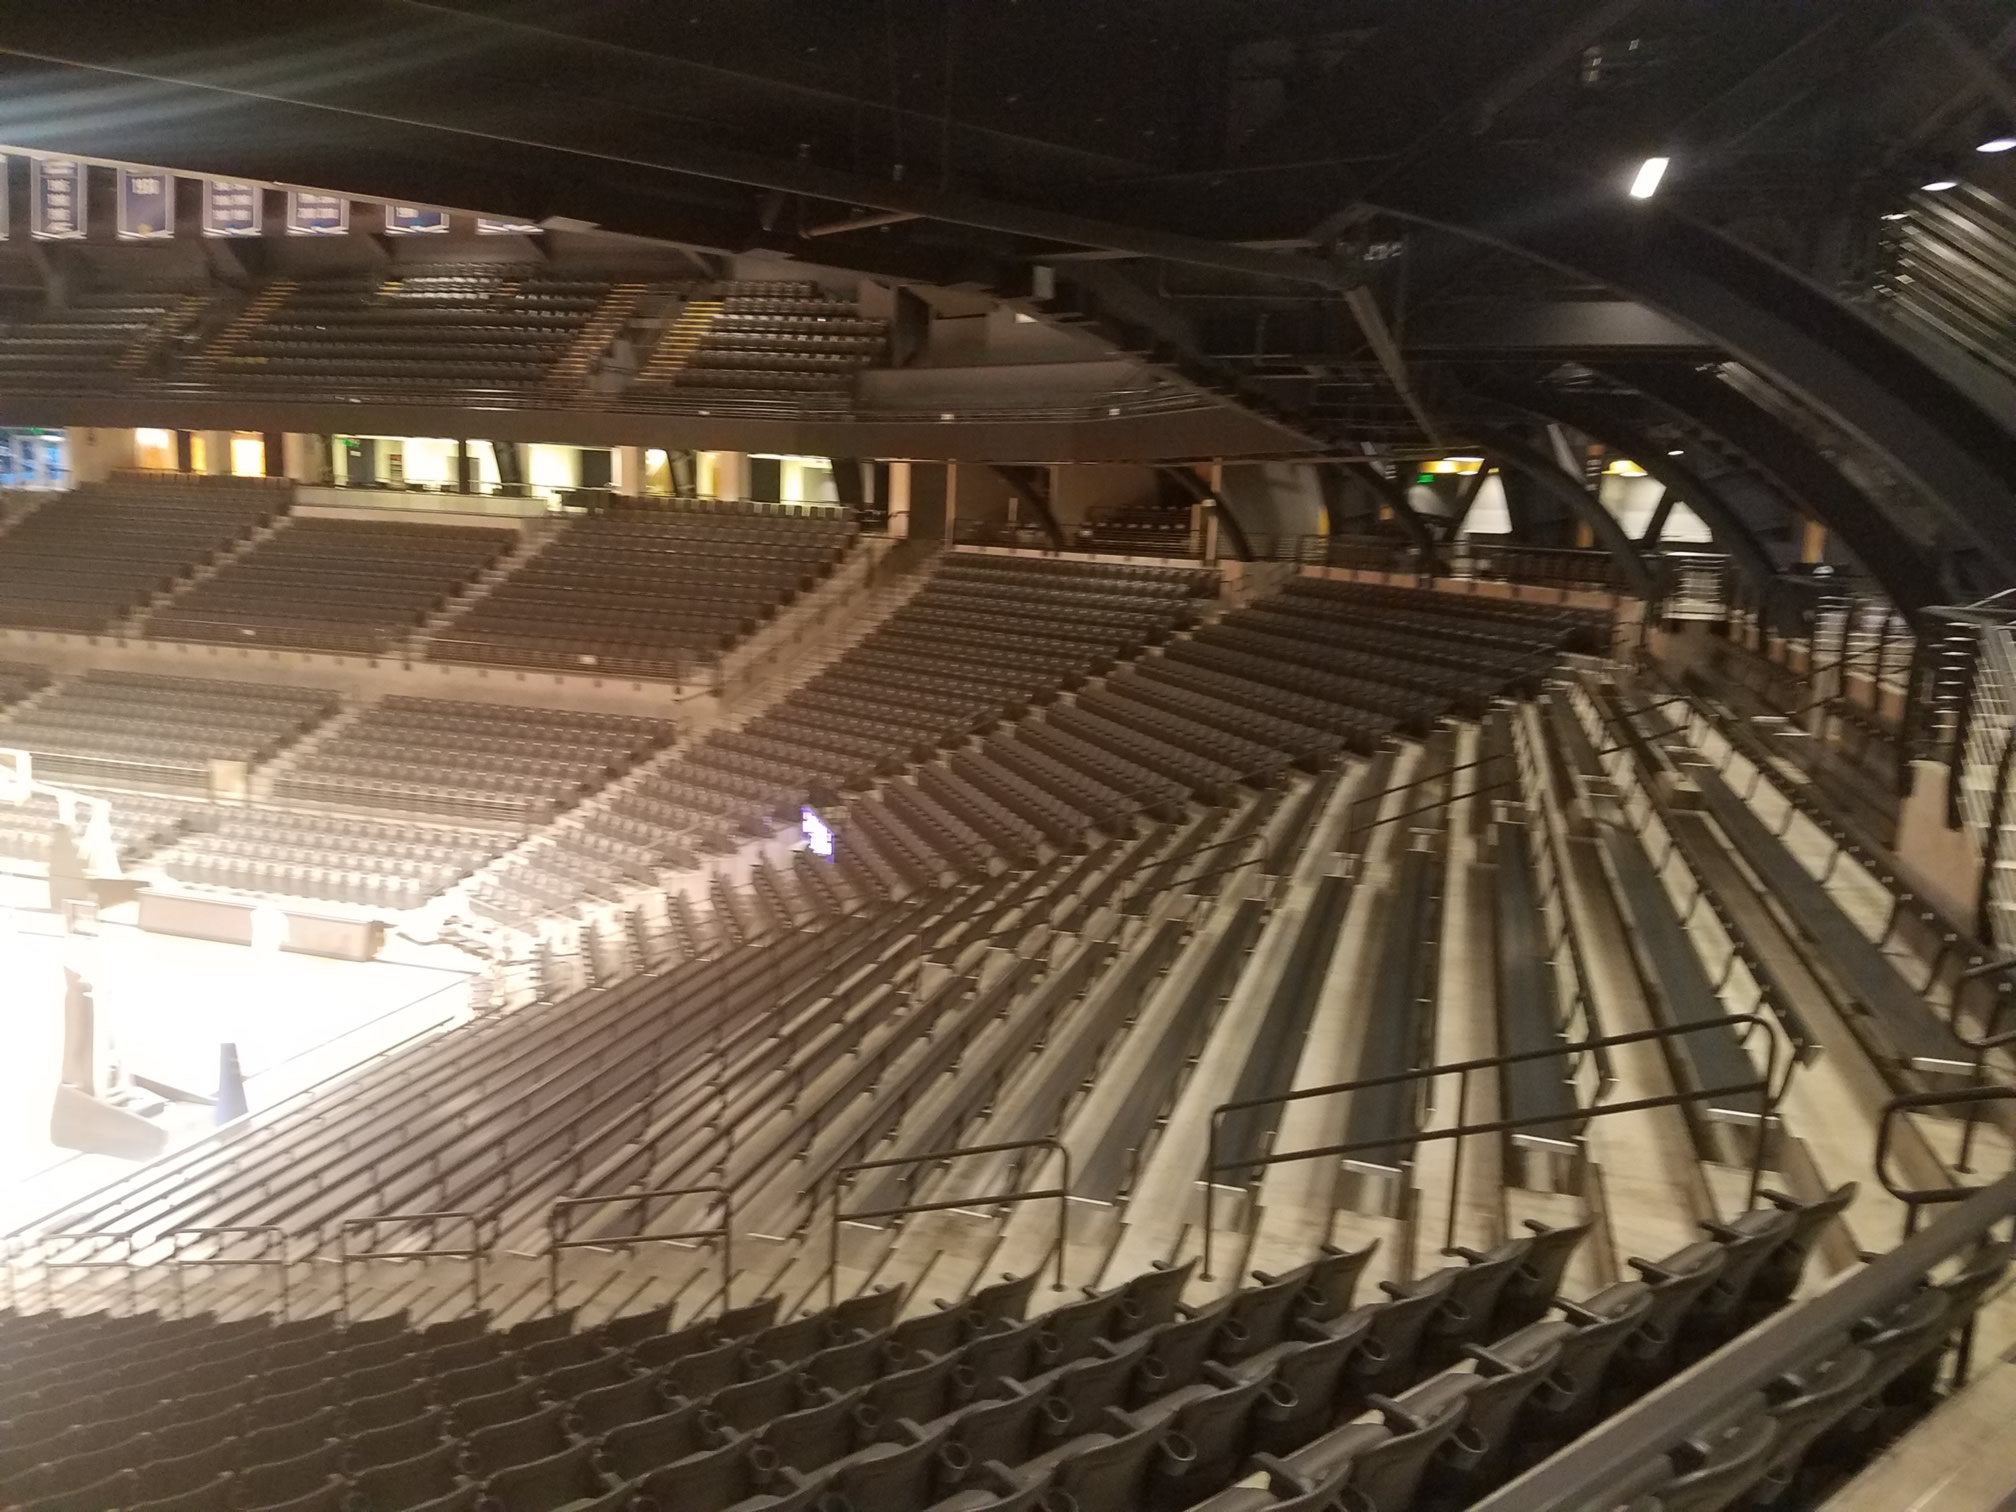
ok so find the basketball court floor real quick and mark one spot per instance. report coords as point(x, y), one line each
point(164, 1008)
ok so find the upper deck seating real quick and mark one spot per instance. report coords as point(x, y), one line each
point(90, 342)
point(422, 330)
point(781, 336)
point(86, 560)
point(334, 584)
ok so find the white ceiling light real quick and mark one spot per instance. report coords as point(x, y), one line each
point(1646, 184)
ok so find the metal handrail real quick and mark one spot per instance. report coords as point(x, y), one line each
point(1914, 1198)
point(130, 1265)
point(1768, 1086)
point(474, 1253)
point(1693, 1400)
point(558, 1240)
point(842, 1175)
point(275, 1236)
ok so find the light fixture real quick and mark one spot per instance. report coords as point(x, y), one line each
point(1998, 134)
point(1674, 451)
point(1939, 183)
point(1896, 215)
point(1646, 184)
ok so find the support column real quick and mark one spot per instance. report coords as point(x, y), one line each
point(465, 467)
point(274, 446)
point(731, 475)
point(626, 470)
point(185, 451)
point(899, 500)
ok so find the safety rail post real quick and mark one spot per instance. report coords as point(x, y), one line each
point(559, 1217)
point(1999, 818)
point(1769, 1086)
point(843, 1175)
point(110, 1237)
point(473, 1253)
point(273, 1234)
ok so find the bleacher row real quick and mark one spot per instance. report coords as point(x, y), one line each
point(431, 331)
point(646, 594)
point(362, 586)
point(104, 551)
point(1127, 1399)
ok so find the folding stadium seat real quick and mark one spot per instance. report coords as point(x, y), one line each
point(822, 1433)
point(1011, 1350)
point(412, 1482)
point(928, 1392)
point(402, 1439)
point(1209, 1431)
point(1389, 1353)
point(1328, 1282)
point(846, 1366)
point(281, 1481)
point(538, 1435)
point(641, 1446)
point(1805, 1404)
point(747, 1407)
point(1388, 1460)
point(487, 1402)
point(1536, 1280)
point(1098, 1470)
point(1676, 1284)
point(727, 1479)
point(995, 1491)
point(567, 1481)
point(1714, 1468)
point(1256, 1318)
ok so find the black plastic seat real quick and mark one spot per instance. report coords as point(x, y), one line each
point(1712, 1470)
point(860, 1362)
point(1469, 1301)
point(747, 1407)
point(1256, 1318)
point(1209, 1436)
point(1388, 1357)
point(927, 1392)
point(411, 1483)
point(867, 1312)
point(1387, 1461)
point(1494, 1394)
point(636, 1449)
point(632, 1400)
point(1676, 1283)
point(563, 1482)
point(1328, 1282)
point(827, 1431)
point(537, 1436)
point(1582, 1344)
point(1535, 1282)
point(1724, 1308)
point(1014, 1352)
point(1778, 1278)
point(892, 1477)
point(1307, 1383)
point(1010, 1430)
point(395, 1441)
point(1150, 1299)
point(1805, 1404)
point(750, 1318)
point(1099, 1471)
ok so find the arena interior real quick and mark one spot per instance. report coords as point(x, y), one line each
point(1211, 757)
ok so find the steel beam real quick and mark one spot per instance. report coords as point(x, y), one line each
point(1588, 415)
point(1926, 428)
point(1567, 489)
point(1908, 571)
point(1661, 513)
point(1031, 498)
point(1203, 493)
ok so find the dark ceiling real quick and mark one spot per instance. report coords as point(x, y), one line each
point(1367, 221)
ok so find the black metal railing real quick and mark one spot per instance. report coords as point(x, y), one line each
point(431, 1225)
point(561, 1239)
point(1769, 1087)
point(842, 1177)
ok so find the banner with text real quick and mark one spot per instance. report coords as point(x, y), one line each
point(57, 199)
point(316, 214)
point(230, 208)
point(146, 204)
point(415, 220)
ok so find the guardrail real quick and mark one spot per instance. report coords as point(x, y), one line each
point(842, 1175)
point(275, 1239)
point(474, 1252)
point(558, 1240)
point(1768, 1085)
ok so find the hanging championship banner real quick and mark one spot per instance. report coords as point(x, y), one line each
point(57, 199)
point(230, 208)
point(485, 226)
point(146, 204)
point(310, 214)
point(414, 220)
